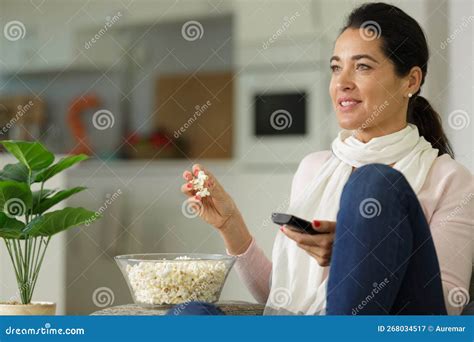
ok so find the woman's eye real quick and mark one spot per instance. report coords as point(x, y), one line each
point(335, 68)
point(363, 67)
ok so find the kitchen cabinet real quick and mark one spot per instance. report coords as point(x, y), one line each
point(54, 40)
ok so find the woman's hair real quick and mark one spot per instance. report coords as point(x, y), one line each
point(404, 43)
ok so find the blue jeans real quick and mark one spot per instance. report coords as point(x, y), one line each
point(383, 259)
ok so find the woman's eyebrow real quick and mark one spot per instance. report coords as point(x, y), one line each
point(354, 58)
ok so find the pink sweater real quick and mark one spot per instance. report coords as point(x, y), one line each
point(446, 199)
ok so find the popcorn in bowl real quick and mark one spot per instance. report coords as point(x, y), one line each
point(159, 279)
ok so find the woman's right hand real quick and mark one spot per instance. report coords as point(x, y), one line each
point(217, 208)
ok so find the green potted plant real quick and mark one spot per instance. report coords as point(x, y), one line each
point(27, 224)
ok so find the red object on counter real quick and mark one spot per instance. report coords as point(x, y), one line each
point(133, 139)
point(159, 139)
point(76, 125)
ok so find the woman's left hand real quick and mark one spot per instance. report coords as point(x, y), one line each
point(318, 246)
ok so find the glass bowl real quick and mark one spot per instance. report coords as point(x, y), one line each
point(157, 279)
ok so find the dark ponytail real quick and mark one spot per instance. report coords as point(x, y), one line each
point(428, 121)
point(404, 43)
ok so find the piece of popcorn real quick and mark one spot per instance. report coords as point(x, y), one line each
point(198, 184)
point(203, 193)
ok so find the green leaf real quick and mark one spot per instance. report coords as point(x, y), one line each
point(47, 203)
point(31, 154)
point(10, 228)
point(44, 193)
point(17, 172)
point(15, 198)
point(59, 220)
point(61, 165)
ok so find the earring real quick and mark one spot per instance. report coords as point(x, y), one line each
point(410, 95)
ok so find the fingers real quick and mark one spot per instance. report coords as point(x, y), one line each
point(210, 183)
point(319, 240)
point(298, 237)
point(322, 261)
point(198, 167)
point(187, 175)
point(318, 246)
point(324, 226)
point(187, 189)
point(315, 251)
point(322, 256)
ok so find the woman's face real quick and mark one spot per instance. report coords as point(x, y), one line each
point(366, 93)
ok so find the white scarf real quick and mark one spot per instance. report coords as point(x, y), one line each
point(299, 284)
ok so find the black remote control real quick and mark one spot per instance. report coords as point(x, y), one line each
point(294, 223)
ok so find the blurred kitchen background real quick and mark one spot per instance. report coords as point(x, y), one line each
point(148, 88)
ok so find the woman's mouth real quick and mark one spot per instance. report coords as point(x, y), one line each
point(347, 104)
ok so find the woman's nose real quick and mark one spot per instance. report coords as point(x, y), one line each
point(345, 81)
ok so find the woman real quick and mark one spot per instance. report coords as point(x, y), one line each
point(393, 208)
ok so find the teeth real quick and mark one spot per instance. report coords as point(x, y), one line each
point(347, 103)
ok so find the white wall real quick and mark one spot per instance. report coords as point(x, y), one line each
point(460, 85)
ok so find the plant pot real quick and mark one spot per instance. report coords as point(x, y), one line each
point(32, 309)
